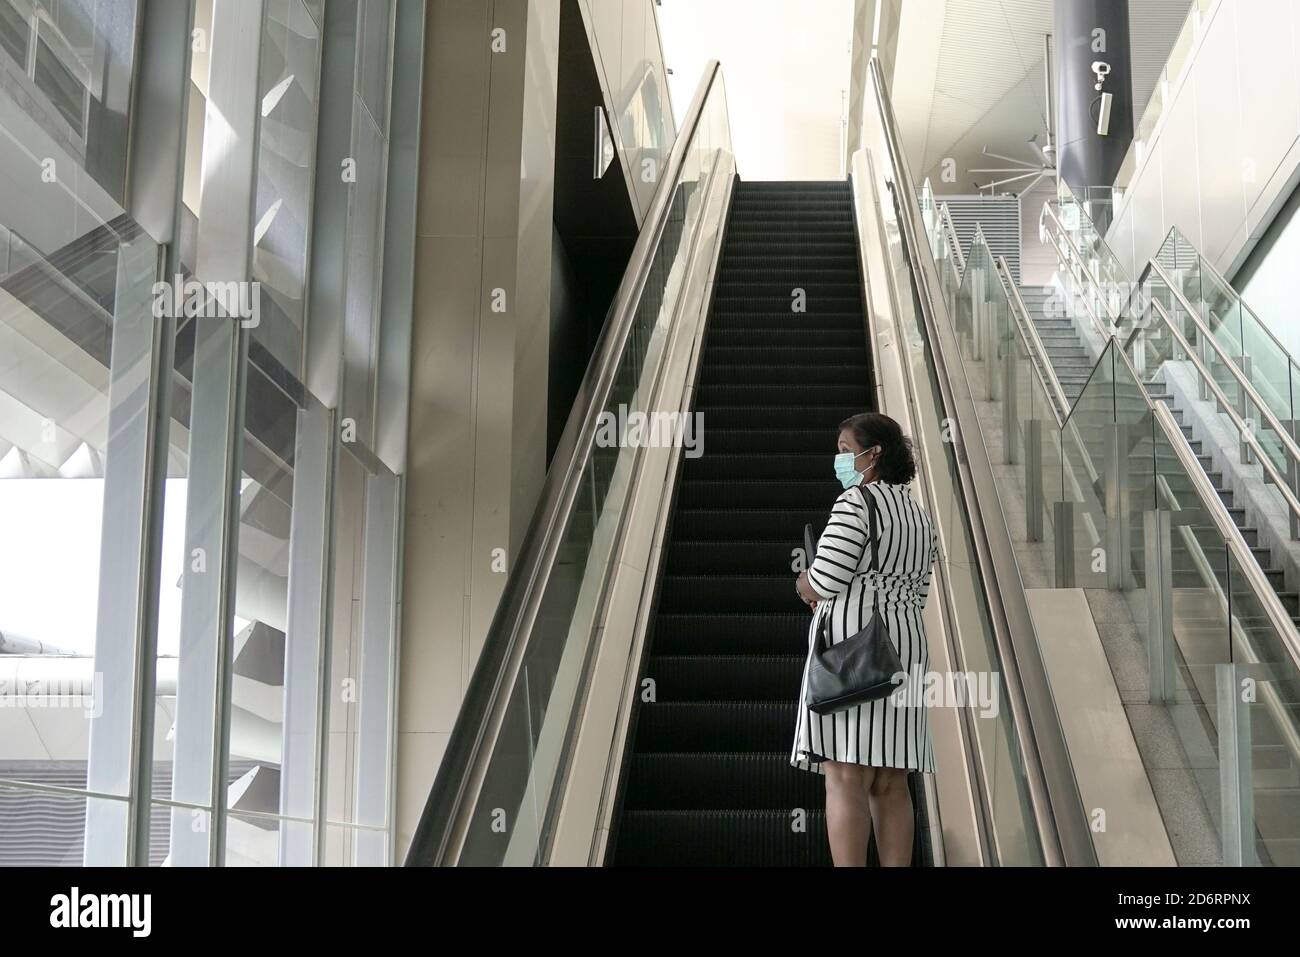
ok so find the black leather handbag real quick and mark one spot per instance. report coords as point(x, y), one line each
point(863, 667)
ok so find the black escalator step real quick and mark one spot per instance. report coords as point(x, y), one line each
point(725, 677)
point(712, 780)
point(770, 375)
point(779, 269)
point(778, 242)
point(773, 493)
point(817, 438)
point(743, 633)
point(786, 338)
point(801, 186)
point(839, 229)
point(687, 557)
point(803, 355)
point(792, 208)
point(757, 324)
point(745, 300)
point(831, 263)
point(810, 396)
point(748, 417)
point(706, 726)
point(737, 525)
point(723, 593)
point(722, 467)
point(733, 288)
point(834, 203)
point(722, 838)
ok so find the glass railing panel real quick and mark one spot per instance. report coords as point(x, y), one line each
point(1044, 470)
point(1134, 473)
point(1268, 687)
point(979, 319)
point(949, 278)
point(528, 748)
point(1268, 370)
point(1268, 365)
point(1083, 447)
point(1182, 678)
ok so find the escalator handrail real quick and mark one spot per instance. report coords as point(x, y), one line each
point(1060, 819)
point(507, 636)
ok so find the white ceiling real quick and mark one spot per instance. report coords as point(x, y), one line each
point(969, 74)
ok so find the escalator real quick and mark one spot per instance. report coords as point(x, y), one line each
point(635, 699)
point(709, 779)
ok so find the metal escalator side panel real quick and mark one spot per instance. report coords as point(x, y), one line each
point(488, 768)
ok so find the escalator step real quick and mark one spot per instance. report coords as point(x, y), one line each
point(781, 493)
point(769, 375)
point(726, 838)
point(707, 726)
point(747, 780)
point(773, 270)
point(820, 438)
point(742, 633)
point(755, 558)
point(729, 290)
point(739, 525)
point(743, 301)
point(806, 355)
point(836, 264)
point(714, 677)
point(719, 467)
point(748, 417)
point(809, 327)
point(787, 337)
point(714, 593)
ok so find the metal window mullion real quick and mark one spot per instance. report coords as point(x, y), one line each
point(373, 782)
point(159, 110)
point(224, 253)
point(226, 605)
point(123, 641)
point(310, 536)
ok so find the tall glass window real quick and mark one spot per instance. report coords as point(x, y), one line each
point(291, 698)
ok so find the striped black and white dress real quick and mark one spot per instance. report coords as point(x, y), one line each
point(892, 732)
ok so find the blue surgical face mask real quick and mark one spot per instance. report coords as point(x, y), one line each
point(844, 470)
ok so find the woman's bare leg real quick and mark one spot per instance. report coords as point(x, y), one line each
point(891, 809)
point(848, 812)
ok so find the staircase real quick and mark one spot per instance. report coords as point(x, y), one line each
point(1070, 360)
point(708, 779)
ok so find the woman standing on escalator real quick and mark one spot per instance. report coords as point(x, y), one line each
point(866, 751)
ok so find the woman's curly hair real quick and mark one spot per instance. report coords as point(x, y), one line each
point(896, 465)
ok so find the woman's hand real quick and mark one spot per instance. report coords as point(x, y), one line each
point(806, 591)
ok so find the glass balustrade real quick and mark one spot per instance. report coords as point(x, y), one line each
point(1112, 497)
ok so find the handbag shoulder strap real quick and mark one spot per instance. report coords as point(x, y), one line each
point(873, 540)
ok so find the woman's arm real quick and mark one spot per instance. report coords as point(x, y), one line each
point(840, 548)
